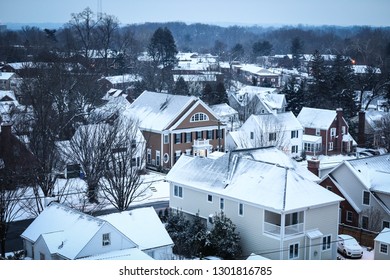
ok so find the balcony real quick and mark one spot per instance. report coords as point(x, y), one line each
point(288, 230)
point(202, 147)
point(294, 223)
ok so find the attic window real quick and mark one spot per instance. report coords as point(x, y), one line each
point(199, 117)
point(106, 239)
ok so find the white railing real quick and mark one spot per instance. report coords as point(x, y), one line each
point(201, 143)
point(288, 230)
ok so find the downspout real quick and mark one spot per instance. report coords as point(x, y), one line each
point(283, 216)
point(326, 142)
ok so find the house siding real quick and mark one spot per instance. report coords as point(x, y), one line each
point(95, 246)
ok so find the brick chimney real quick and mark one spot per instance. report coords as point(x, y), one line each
point(361, 129)
point(313, 164)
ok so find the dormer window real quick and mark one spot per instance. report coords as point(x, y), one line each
point(199, 117)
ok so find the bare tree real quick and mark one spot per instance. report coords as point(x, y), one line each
point(122, 182)
point(90, 147)
point(262, 131)
point(375, 217)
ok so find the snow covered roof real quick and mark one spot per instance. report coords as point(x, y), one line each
point(260, 71)
point(200, 77)
point(285, 121)
point(120, 79)
point(126, 254)
point(142, 226)
point(362, 69)
point(383, 236)
point(223, 110)
point(4, 76)
point(66, 231)
point(373, 171)
point(156, 111)
point(316, 118)
point(265, 177)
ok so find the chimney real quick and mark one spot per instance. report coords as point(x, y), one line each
point(313, 164)
point(362, 128)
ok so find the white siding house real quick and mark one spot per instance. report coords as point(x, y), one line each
point(62, 233)
point(279, 211)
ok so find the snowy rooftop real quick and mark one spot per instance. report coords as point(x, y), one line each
point(142, 226)
point(156, 111)
point(6, 75)
point(265, 177)
point(384, 236)
point(126, 78)
point(223, 110)
point(285, 121)
point(316, 118)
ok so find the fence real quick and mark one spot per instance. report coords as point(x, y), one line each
point(363, 236)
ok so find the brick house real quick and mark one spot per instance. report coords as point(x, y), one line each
point(174, 125)
point(325, 132)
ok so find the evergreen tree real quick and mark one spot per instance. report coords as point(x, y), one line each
point(223, 240)
point(296, 51)
point(341, 88)
point(294, 91)
point(181, 87)
point(177, 228)
point(207, 95)
point(197, 237)
point(220, 95)
point(318, 86)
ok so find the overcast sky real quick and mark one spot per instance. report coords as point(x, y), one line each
point(290, 12)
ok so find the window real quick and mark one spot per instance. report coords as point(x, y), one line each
point(42, 256)
point(106, 239)
point(385, 224)
point(343, 129)
point(241, 209)
point(318, 131)
point(332, 132)
point(366, 198)
point(294, 149)
point(365, 222)
point(198, 117)
point(177, 138)
point(252, 135)
point(177, 155)
point(294, 134)
point(293, 251)
point(149, 156)
point(383, 248)
point(272, 136)
point(166, 158)
point(209, 134)
point(221, 204)
point(188, 137)
point(330, 148)
point(210, 198)
point(349, 216)
point(166, 138)
point(158, 158)
point(329, 188)
point(326, 241)
point(178, 191)
point(188, 152)
point(199, 135)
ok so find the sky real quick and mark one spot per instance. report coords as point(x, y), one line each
point(222, 12)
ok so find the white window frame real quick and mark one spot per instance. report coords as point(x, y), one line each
point(384, 248)
point(330, 146)
point(106, 239)
point(332, 132)
point(199, 117)
point(295, 251)
point(158, 158)
point(385, 224)
point(369, 198)
point(294, 134)
point(368, 221)
point(252, 135)
point(210, 198)
point(318, 131)
point(149, 156)
point(166, 138)
point(326, 242)
point(178, 191)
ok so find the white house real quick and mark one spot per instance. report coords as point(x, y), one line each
point(282, 130)
point(227, 115)
point(279, 211)
point(382, 245)
point(63, 233)
point(365, 185)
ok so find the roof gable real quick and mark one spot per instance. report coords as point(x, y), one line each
point(316, 118)
point(156, 111)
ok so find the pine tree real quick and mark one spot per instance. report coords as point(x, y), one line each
point(223, 240)
point(318, 86)
point(220, 95)
point(207, 94)
point(294, 91)
point(177, 228)
point(197, 236)
point(181, 87)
